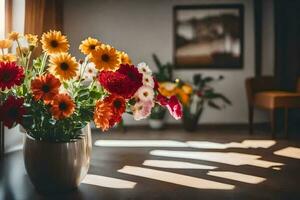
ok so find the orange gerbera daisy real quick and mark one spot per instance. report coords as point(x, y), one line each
point(6, 43)
point(102, 115)
point(45, 88)
point(54, 42)
point(105, 58)
point(124, 58)
point(62, 106)
point(63, 65)
point(88, 45)
point(14, 36)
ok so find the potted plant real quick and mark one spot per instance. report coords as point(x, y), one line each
point(54, 97)
point(164, 74)
point(196, 97)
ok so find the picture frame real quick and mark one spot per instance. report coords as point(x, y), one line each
point(208, 36)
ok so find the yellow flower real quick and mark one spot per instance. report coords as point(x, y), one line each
point(54, 42)
point(167, 89)
point(6, 43)
point(32, 40)
point(124, 58)
point(14, 36)
point(105, 58)
point(63, 66)
point(8, 58)
point(186, 88)
point(88, 45)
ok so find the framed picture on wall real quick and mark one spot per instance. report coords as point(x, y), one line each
point(208, 36)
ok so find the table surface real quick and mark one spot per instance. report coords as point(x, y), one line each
point(133, 182)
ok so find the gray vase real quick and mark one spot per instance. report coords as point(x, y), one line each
point(57, 167)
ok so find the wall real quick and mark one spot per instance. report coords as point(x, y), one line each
point(142, 27)
point(268, 38)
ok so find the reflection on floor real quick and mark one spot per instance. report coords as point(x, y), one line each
point(290, 152)
point(245, 144)
point(175, 178)
point(237, 176)
point(108, 182)
point(229, 158)
point(175, 164)
point(139, 143)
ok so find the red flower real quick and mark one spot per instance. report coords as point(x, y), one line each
point(12, 110)
point(155, 84)
point(123, 82)
point(10, 75)
point(118, 105)
point(172, 104)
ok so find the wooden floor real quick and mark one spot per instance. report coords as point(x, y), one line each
point(270, 176)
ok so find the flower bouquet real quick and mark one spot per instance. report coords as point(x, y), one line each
point(54, 97)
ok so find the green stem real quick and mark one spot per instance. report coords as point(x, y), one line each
point(2, 50)
point(19, 47)
point(43, 63)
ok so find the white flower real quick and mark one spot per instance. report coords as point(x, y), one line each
point(148, 80)
point(144, 68)
point(89, 74)
point(90, 71)
point(145, 93)
point(142, 109)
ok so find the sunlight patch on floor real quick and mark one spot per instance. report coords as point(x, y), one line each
point(194, 144)
point(245, 178)
point(246, 144)
point(175, 178)
point(108, 182)
point(175, 164)
point(291, 152)
point(140, 143)
point(230, 158)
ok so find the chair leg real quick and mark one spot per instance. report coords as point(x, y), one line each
point(250, 118)
point(286, 125)
point(272, 121)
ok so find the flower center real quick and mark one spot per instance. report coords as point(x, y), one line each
point(63, 106)
point(5, 77)
point(117, 104)
point(54, 43)
point(145, 94)
point(45, 88)
point(92, 47)
point(105, 57)
point(147, 80)
point(64, 66)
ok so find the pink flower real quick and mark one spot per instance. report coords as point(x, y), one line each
point(142, 109)
point(173, 105)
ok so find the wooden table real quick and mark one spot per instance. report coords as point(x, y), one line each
point(106, 161)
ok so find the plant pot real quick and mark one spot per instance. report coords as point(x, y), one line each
point(57, 167)
point(156, 124)
point(190, 121)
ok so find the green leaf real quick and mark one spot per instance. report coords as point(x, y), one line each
point(213, 105)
